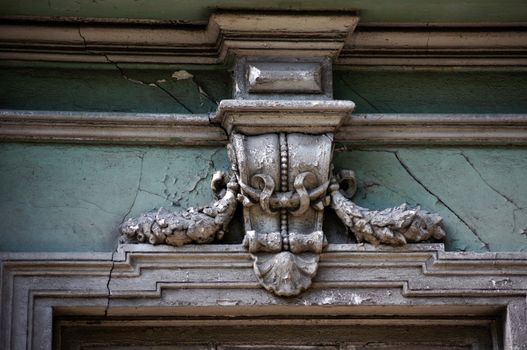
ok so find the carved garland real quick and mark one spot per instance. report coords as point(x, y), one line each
point(281, 128)
point(286, 260)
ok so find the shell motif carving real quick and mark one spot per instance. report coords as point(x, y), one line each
point(285, 273)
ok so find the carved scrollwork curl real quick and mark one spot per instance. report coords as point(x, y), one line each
point(262, 190)
point(392, 226)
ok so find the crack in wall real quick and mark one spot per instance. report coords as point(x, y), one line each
point(362, 97)
point(203, 92)
point(485, 181)
point(210, 170)
point(416, 179)
point(515, 222)
point(172, 96)
point(206, 176)
point(154, 84)
point(142, 157)
point(82, 37)
point(108, 288)
point(98, 206)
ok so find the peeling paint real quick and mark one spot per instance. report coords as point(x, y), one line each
point(182, 75)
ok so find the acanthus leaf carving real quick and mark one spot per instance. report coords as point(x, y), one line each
point(198, 225)
point(391, 226)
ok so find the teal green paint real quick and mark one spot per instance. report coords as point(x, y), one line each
point(382, 91)
point(115, 90)
point(72, 198)
point(370, 11)
point(474, 189)
point(154, 90)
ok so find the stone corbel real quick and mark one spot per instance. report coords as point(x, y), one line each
point(281, 126)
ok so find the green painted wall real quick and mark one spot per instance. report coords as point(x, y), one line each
point(442, 91)
point(107, 88)
point(183, 10)
point(72, 197)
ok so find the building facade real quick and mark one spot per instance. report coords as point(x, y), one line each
point(112, 109)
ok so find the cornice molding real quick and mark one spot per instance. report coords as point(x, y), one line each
point(266, 34)
point(114, 128)
point(205, 129)
point(419, 280)
point(448, 45)
point(278, 34)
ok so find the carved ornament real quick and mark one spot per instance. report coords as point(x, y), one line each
point(281, 128)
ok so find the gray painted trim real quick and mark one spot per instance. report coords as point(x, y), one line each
point(357, 280)
point(113, 128)
point(161, 43)
point(439, 129)
point(203, 129)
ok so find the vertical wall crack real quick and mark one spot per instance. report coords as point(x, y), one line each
point(108, 288)
point(416, 179)
point(508, 199)
point(142, 156)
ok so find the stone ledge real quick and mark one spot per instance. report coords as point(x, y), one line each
point(142, 280)
point(375, 44)
point(202, 129)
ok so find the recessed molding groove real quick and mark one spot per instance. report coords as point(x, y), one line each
point(204, 129)
point(418, 280)
point(374, 44)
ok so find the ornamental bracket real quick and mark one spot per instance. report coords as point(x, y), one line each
point(281, 125)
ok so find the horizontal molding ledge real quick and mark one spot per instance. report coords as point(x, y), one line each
point(203, 129)
point(369, 45)
point(114, 128)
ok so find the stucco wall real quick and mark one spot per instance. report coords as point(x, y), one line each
point(72, 197)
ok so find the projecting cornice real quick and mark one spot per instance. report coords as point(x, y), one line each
point(262, 34)
point(272, 34)
point(203, 129)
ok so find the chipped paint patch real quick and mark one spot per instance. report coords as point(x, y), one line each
point(182, 75)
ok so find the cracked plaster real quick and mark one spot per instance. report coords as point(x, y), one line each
point(71, 198)
point(52, 201)
point(67, 197)
point(110, 87)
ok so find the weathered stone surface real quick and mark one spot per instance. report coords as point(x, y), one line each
point(415, 282)
point(193, 225)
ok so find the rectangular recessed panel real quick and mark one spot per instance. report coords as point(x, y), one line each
point(284, 77)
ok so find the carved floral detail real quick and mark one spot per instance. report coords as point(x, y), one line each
point(392, 226)
point(199, 225)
